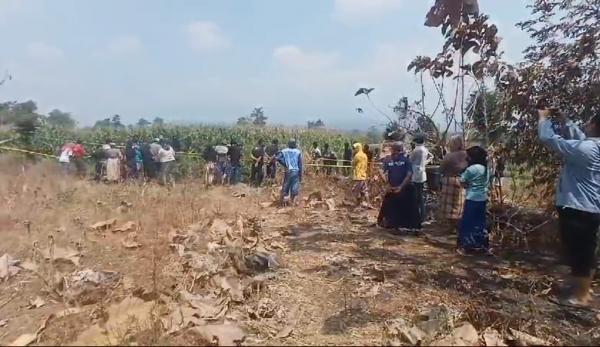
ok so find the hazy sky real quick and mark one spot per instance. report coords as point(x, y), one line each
point(213, 61)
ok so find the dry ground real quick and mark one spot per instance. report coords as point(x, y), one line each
point(339, 279)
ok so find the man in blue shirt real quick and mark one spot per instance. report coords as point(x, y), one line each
point(577, 197)
point(291, 159)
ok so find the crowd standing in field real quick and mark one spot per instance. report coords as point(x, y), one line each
point(466, 177)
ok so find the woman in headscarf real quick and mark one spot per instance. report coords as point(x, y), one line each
point(453, 196)
point(399, 207)
point(113, 163)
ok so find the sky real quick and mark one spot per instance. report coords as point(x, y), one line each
point(201, 61)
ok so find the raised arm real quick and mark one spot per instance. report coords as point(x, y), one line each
point(573, 132)
point(571, 150)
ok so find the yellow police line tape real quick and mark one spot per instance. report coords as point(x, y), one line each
point(55, 157)
point(26, 151)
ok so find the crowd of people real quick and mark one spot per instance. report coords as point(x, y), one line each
point(466, 179)
point(153, 160)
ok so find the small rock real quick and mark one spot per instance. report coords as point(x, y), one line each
point(524, 339)
point(398, 331)
point(464, 335)
point(129, 226)
point(104, 225)
point(37, 302)
point(492, 337)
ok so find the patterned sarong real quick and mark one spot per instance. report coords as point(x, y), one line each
point(452, 198)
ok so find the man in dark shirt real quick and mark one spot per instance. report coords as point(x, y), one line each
point(271, 159)
point(210, 157)
point(258, 160)
point(235, 162)
point(347, 158)
point(148, 162)
point(398, 208)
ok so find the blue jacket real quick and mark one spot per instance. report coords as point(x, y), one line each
point(579, 185)
point(291, 159)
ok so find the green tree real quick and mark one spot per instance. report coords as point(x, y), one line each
point(115, 122)
point(243, 121)
point(142, 123)
point(317, 124)
point(258, 117)
point(158, 121)
point(60, 119)
point(23, 117)
point(561, 66)
point(103, 124)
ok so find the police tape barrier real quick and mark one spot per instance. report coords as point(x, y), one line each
point(184, 153)
point(26, 151)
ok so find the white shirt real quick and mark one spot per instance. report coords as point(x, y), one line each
point(166, 155)
point(419, 158)
point(65, 156)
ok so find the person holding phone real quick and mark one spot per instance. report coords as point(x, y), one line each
point(577, 195)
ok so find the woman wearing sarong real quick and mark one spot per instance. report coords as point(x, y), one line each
point(113, 163)
point(399, 208)
point(453, 196)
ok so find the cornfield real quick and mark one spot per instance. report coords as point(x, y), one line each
point(190, 139)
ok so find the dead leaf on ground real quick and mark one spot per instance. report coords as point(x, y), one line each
point(8, 267)
point(88, 286)
point(104, 225)
point(292, 318)
point(232, 285)
point(226, 334)
point(61, 254)
point(3, 322)
point(130, 241)
point(219, 227)
point(330, 204)
point(24, 340)
point(35, 303)
point(128, 226)
point(182, 316)
point(130, 311)
point(208, 308)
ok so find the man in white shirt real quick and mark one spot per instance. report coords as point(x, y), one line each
point(64, 159)
point(419, 158)
point(166, 156)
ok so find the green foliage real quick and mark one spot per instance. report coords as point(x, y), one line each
point(60, 119)
point(193, 139)
point(258, 117)
point(561, 66)
point(22, 117)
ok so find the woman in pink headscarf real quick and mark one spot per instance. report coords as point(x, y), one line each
point(453, 195)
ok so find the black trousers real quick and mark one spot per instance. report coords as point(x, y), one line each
point(256, 174)
point(420, 197)
point(579, 236)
